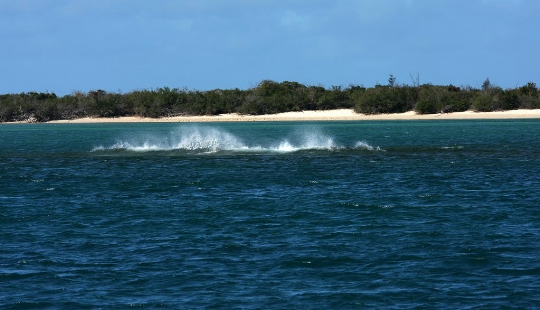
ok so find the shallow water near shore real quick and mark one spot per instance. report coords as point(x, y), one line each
point(378, 214)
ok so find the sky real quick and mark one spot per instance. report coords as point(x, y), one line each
point(63, 46)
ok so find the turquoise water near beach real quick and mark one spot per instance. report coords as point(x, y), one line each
point(277, 215)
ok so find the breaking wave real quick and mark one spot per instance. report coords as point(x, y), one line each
point(212, 140)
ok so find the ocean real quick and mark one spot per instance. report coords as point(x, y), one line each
point(271, 215)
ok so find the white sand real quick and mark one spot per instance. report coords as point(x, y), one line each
point(341, 114)
point(328, 115)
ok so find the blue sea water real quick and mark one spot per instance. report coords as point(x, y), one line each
point(311, 215)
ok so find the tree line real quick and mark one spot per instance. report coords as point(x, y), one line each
point(268, 97)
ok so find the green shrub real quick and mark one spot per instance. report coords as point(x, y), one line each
point(386, 99)
point(529, 96)
point(511, 100)
point(429, 100)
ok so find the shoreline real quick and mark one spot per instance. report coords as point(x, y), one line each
point(327, 115)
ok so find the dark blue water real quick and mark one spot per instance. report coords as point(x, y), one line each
point(420, 214)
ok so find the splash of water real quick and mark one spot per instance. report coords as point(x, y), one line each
point(211, 140)
point(307, 141)
point(365, 146)
point(189, 139)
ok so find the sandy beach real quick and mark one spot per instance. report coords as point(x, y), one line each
point(329, 115)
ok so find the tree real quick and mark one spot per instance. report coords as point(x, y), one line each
point(486, 86)
point(266, 98)
point(391, 81)
point(415, 80)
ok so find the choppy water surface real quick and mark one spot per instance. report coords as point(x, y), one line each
point(429, 214)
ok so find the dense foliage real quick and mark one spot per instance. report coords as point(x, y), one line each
point(266, 98)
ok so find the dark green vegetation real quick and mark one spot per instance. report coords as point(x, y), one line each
point(267, 98)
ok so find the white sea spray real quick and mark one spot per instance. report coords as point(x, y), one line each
point(207, 139)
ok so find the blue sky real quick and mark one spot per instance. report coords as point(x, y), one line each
point(63, 46)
